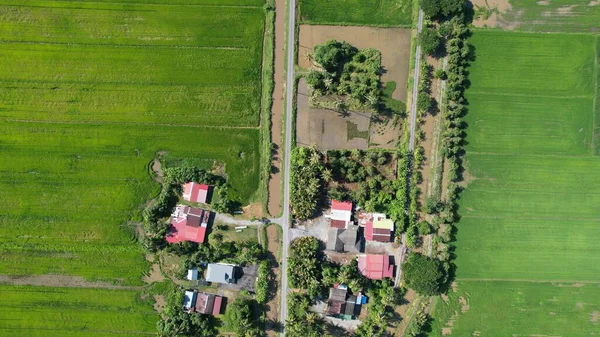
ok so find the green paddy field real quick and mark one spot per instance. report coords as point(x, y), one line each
point(527, 254)
point(90, 93)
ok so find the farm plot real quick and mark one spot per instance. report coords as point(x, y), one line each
point(529, 215)
point(544, 15)
point(519, 309)
point(357, 12)
point(131, 63)
point(70, 312)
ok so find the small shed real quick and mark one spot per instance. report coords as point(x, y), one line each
point(192, 274)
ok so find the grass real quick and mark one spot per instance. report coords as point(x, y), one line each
point(385, 13)
point(353, 132)
point(529, 211)
point(231, 234)
point(70, 312)
point(520, 309)
point(555, 16)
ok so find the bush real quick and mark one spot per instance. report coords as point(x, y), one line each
point(262, 282)
point(430, 41)
point(424, 102)
point(423, 274)
point(424, 228)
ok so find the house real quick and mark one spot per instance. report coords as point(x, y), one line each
point(375, 266)
point(342, 304)
point(192, 274)
point(195, 192)
point(189, 298)
point(341, 214)
point(188, 224)
point(344, 240)
point(208, 304)
point(379, 230)
point(365, 217)
point(221, 273)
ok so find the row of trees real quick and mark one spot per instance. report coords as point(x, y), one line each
point(308, 180)
point(347, 71)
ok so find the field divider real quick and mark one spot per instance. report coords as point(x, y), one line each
point(467, 279)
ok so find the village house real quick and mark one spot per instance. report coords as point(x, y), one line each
point(344, 240)
point(202, 303)
point(221, 273)
point(340, 215)
point(188, 224)
point(377, 226)
point(342, 304)
point(192, 274)
point(195, 192)
point(375, 266)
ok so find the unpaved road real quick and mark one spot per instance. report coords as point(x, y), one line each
point(274, 204)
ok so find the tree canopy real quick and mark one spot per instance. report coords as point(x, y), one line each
point(307, 181)
point(430, 40)
point(304, 265)
point(442, 8)
point(240, 318)
point(423, 274)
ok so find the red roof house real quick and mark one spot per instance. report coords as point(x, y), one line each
point(375, 267)
point(208, 304)
point(341, 213)
point(379, 230)
point(188, 224)
point(195, 192)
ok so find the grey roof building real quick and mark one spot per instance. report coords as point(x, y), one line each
point(344, 240)
point(221, 273)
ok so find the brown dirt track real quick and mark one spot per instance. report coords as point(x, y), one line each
point(274, 205)
point(272, 307)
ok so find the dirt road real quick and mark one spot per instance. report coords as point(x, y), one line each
point(277, 110)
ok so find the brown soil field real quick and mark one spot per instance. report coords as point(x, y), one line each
point(272, 307)
point(495, 19)
point(393, 43)
point(328, 129)
point(51, 280)
point(274, 204)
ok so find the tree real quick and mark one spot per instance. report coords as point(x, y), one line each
point(423, 274)
point(240, 317)
point(424, 102)
point(304, 265)
point(429, 40)
point(424, 228)
point(431, 8)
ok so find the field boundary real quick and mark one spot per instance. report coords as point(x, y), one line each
point(595, 105)
point(468, 279)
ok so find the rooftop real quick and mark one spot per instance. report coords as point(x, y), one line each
point(195, 192)
point(375, 267)
point(188, 224)
point(221, 273)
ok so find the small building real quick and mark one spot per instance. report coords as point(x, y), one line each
point(195, 192)
point(188, 224)
point(189, 299)
point(365, 217)
point(192, 274)
point(221, 273)
point(344, 240)
point(375, 266)
point(208, 304)
point(342, 304)
point(379, 230)
point(341, 214)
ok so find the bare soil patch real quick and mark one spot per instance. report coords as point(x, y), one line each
point(50, 280)
point(272, 307)
point(157, 168)
point(594, 317)
point(328, 129)
point(274, 203)
point(393, 43)
point(493, 12)
point(159, 303)
point(464, 304)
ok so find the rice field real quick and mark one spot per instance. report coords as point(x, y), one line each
point(74, 312)
point(526, 250)
point(357, 12)
point(90, 93)
point(579, 16)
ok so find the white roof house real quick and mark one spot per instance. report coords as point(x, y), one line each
point(221, 273)
point(192, 274)
point(189, 299)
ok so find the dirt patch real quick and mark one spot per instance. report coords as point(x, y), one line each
point(579, 305)
point(383, 132)
point(272, 306)
point(454, 287)
point(254, 210)
point(464, 304)
point(159, 303)
point(594, 3)
point(565, 10)
point(157, 168)
point(543, 3)
point(492, 13)
point(409, 298)
point(155, 275)
point(328, 129)
point(274, 201)
point(447, 329)
point(50, 280)
point(393, 43)
point(594, 317)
